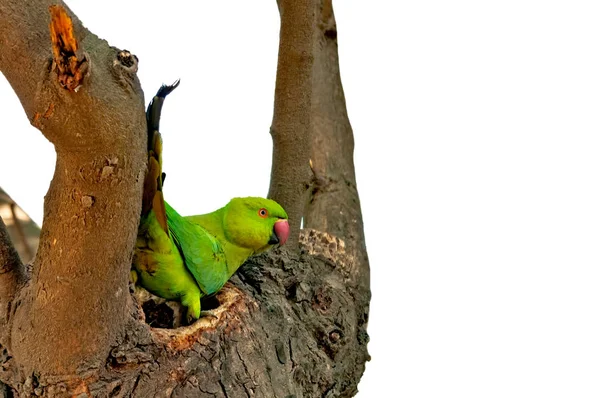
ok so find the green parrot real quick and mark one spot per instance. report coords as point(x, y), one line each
point(186, 258)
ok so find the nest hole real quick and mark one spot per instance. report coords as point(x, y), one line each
point(209, 303)
point(163, 314)
point(159, 315)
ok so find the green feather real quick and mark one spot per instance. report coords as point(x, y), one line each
point(202, 254)
point(185, 258)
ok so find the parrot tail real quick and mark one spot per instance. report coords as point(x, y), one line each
point(153, 197)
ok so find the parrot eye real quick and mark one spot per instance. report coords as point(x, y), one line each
point(263, 213)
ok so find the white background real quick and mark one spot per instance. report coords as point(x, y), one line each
point(478, 160)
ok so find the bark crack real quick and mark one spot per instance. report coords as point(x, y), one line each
point(223, 389)
point(243, 363)
point(135, 384)
point(291, 355)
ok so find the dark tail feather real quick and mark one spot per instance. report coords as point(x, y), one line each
point(155, 107)
point(153, 197)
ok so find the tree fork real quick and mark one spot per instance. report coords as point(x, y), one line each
point(288, 324)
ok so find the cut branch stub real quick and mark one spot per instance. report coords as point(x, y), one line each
point(72, 65)
point(128, 60)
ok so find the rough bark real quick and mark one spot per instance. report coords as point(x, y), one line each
point(333, 204)
point(77, 296)
point(290, 173)
point(286, 326)
point(290, 324)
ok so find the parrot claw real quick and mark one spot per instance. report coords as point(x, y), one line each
point(133, 277)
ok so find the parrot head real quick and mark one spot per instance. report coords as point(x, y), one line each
point(255, 223)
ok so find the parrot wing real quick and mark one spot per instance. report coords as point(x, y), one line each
point(203, 254)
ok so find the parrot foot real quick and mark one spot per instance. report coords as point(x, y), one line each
point(133, 277)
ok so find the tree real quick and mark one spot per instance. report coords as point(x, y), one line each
point(291, 323)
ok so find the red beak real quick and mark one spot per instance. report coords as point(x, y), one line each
point(281, 230)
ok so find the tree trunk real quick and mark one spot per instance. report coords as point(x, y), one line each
point(290, 324)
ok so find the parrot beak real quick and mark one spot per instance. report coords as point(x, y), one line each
point(280, 233)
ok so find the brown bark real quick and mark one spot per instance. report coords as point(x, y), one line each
point(77, 297)
point(333, 205)
point(291, 115)
point(12, 275)
point(290, 324)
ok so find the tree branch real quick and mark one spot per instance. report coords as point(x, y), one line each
point(23, 28)
point(77, 301)
point(292, 112)
point(333, 205)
